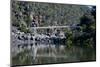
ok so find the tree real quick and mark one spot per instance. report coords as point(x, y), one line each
point(88, 28)
point(69, 38)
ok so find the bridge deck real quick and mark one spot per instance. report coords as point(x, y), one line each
point(53, 27)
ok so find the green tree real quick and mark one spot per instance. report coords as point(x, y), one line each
point(69, 39)
point(88, 28)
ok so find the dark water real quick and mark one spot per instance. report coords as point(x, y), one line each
point(53, 54)
point(66, 55)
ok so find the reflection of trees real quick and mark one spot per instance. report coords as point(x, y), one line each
point(22, 58)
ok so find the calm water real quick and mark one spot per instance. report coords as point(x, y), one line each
point(42, 54)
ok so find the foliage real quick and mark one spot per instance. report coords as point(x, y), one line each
point(69, 39)
point(49, 13)
point(58, 14)
point(88, 28)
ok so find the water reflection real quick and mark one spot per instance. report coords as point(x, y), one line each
point(41, 54)
point(44, 50)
